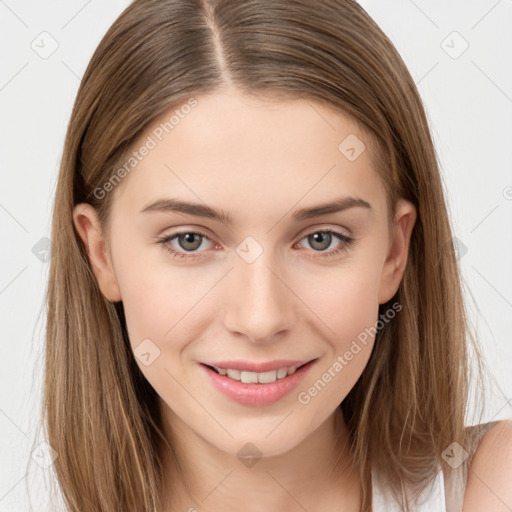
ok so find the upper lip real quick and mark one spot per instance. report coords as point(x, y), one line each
point(249, 366)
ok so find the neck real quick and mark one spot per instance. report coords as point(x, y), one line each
point(315, 475)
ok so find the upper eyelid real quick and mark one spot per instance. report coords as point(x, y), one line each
point(344, 231)
point(300, 237)
point(306, 231)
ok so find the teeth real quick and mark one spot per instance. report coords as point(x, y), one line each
point(234, 374)
point(254, 377)
point(249, 377)
point(266, 377)
point(282, 372)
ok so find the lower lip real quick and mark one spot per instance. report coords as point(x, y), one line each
point(257, 394)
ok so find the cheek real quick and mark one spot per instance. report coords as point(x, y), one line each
point(162, 316)
point(163, 302)
point(156, 303)
point(346, 302)
point(346, 299)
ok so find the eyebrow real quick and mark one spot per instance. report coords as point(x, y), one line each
point(202, 210)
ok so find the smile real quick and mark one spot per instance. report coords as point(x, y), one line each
point(256, 388)
point(254, 377)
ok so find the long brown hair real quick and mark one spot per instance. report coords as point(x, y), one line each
point(100, 413)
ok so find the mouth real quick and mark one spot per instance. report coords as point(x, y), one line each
point(256, 388)
point(253, 377)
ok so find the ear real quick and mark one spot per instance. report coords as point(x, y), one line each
point(88, 226)
point(396, 260)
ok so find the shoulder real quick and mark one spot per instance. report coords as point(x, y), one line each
point(490, 472)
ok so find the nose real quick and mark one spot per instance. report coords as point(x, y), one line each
point(260, 304)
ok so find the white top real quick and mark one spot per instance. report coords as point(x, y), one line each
point(433, 498)
point(445, 494)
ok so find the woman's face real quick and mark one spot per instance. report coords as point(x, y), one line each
point(271, 287)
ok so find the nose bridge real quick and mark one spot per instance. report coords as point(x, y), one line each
point(260, 305)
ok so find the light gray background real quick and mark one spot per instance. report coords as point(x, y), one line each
point(468, 98)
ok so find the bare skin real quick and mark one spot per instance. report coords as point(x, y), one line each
point(258, 161)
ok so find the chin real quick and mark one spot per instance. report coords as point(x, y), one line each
point(261, 444)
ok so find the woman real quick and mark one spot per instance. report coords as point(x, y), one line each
point(255, 369)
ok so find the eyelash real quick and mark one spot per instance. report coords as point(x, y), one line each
point(347, 242)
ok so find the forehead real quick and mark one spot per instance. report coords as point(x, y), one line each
point(232, 149)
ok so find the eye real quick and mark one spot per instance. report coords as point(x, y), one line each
point(324, 238)
point(188, 242)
